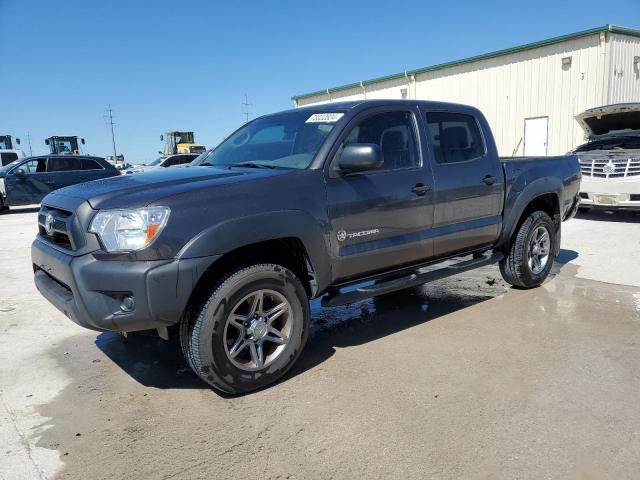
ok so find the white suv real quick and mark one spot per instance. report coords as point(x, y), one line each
point(610, 160)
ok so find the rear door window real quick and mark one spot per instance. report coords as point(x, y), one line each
point(455, 137)
point(63, 164)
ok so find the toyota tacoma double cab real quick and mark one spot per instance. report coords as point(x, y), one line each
point(293, 206)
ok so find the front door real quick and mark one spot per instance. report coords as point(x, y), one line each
point(469, 184)
point(535, 136)
point(29, 182)
point(381, 218)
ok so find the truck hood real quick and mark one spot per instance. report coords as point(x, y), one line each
point(142, 189)
point(622, 117)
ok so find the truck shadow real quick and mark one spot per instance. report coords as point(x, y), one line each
point(157, 363)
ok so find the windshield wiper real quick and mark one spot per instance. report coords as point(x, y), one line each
point(250, 165)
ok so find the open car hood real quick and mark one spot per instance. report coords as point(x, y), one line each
point(610, 118)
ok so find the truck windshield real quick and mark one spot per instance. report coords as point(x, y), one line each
point(65, 145)
point(287, 140)
point(184, 137)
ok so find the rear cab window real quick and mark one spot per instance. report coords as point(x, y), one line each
point(455, 137)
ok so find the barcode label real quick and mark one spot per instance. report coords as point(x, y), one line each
point(324, 117)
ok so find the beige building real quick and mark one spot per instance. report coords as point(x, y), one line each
point(529, 94)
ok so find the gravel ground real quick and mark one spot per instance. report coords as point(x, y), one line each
point(463, 378)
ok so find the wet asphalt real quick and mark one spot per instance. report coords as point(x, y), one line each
point(463, 378)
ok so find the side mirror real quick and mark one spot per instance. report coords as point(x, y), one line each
point(19, 172)
point(18, 141)
point(162, 138)
point(46, 142)
point(360, 157)
point(82, 140)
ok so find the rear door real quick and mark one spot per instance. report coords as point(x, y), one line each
point(64, 171)
point(469, 183)
point(383, 217)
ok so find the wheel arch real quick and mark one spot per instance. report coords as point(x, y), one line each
point(292, 239)
point(543, 194)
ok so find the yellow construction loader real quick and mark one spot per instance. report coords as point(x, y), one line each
point(180, 142)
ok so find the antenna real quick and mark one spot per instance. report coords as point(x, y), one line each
point(109, 116)
point(246, 106)
point(29, 142)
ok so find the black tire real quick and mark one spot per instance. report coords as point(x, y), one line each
point(514, 266)
point(3, 209)
point(202, 330)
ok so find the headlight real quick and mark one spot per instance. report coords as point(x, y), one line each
point(128, 230)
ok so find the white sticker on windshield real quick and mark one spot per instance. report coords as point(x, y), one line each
point(324, 118)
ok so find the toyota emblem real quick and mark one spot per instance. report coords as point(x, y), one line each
point(48, 224)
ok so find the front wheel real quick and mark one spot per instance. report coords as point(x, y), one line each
point(530, 257)
point(249, 330)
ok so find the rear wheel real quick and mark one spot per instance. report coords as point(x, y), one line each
point(250, 329)
point(530, 256)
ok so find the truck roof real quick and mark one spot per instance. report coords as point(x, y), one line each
point(361, 104)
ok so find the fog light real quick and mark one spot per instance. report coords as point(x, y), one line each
point(128, 304)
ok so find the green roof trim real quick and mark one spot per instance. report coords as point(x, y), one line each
point(528, 46)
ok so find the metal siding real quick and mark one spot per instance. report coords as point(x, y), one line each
point(624, 78)
point(510, 88)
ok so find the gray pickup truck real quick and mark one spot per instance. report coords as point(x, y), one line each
point(294, 206)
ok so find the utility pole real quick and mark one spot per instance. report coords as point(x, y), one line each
point(246, 106)
point(29, 142)
point(109, 114)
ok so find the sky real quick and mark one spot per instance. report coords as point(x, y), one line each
point(187, 65)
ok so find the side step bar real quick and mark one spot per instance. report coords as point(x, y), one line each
point(412, 280)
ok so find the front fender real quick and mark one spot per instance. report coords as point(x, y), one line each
point(239, 232)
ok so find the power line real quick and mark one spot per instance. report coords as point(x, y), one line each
point(109, 116)
point(246, 106)
point(29, 142)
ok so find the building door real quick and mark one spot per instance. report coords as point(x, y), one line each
point(535, 136)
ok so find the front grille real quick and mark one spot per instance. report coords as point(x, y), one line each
point(603, 167)
point(57, 231)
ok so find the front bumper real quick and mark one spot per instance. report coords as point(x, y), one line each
point(91, 292)
point(610, 193)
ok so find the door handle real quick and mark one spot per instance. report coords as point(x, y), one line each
point(420, 189)
point(489, 179)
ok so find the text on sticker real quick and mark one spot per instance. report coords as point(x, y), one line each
point(324, 117)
